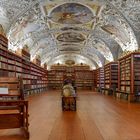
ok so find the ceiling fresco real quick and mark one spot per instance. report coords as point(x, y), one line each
point(71, 13)
point(71, 37)
point(88, 31)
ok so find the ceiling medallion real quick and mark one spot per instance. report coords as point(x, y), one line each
point(71, 37)
point(71, 13)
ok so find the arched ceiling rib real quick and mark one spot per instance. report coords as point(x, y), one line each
point(97, 30)
point(77, 58)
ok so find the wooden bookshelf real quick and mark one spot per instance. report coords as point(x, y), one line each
point(81, 67)
point(129, 76)
point(94, 80)
point(100, 78)
point(58, 67)
point(3, 42)
point(82, 76)
point(3, 56)
point(110, 77)
point(84, 79)
point(13, 65)
point(55, 79)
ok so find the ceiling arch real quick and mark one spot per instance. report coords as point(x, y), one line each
point(119, 27)
point(71, 13)
point(112, 26)
point(77, 58)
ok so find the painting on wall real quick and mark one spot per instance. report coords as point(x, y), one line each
point(71, 13)
point(70, 37)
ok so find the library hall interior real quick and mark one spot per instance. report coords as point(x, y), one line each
point(69, 69)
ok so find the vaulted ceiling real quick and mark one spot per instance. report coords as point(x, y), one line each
point(85, 31)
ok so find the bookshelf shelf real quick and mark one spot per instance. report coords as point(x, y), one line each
point(129, 79)
point(110, 77)
point(59, 73)
point(100, 78)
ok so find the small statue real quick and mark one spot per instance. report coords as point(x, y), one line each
point(2, 31)
point(26, 48)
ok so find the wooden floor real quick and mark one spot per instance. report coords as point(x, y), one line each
point(98, 117)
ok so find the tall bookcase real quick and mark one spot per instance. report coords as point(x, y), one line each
point(100, 78)
point(13, 65)
point(3, 42)
point(55, 79)
point(129, 75)
point(3, 58)
point(84, 79)
point(111, 77)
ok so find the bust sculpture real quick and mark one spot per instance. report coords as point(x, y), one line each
point(2, 31)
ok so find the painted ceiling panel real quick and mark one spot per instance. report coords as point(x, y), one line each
point(71, 13)
point(94, 29)
point(71, 37)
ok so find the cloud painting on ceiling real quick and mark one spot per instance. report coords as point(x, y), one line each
point(71, 13)
point(70, 37)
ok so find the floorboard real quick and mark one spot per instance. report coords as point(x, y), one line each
point(98, 117)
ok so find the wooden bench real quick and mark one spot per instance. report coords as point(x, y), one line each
point(13, 107)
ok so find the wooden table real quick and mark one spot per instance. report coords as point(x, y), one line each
point(69, 103)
